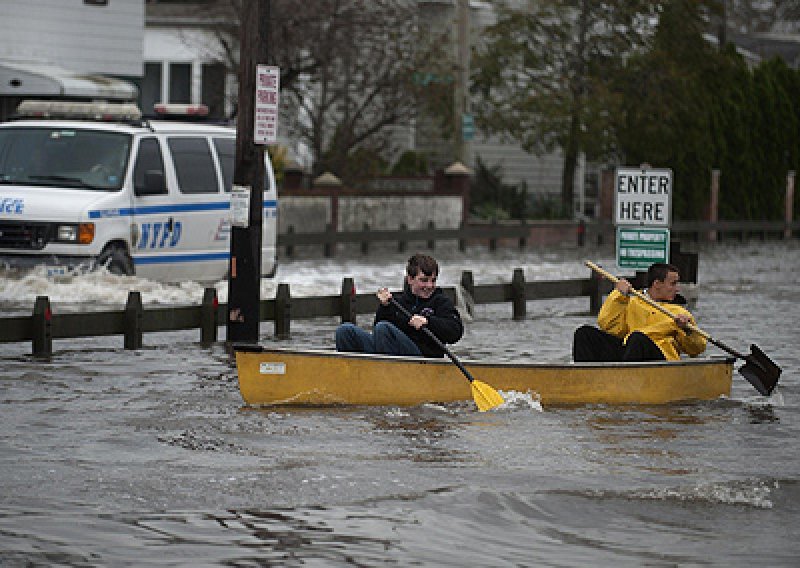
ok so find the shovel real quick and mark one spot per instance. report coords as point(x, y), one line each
point(759, 370)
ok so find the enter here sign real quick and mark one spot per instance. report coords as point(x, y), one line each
point(643, 197)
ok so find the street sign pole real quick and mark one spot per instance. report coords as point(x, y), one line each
point(244, 270)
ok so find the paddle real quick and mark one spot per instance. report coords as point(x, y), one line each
point(759, 370)
point(485, 396)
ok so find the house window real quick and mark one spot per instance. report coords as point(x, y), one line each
point(150, 88)
point(180, 82)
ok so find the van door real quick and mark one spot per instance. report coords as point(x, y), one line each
point(151, 232)
point(181, 232)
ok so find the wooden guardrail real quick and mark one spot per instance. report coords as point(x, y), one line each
point(132, 322)
point(523, 232)
point(490, 233)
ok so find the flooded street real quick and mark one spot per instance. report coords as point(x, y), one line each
point(111, 457)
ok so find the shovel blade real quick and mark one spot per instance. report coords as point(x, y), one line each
point(760, 371)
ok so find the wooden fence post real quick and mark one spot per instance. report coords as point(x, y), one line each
point(789, 204)
point(518, 301)
point(209, 321)
point(282, 311)
point(595, 293)
point(493, 239)
point(462, 242)
point(431, 242)
point(348, 299)
point(133, 320)
point(42, 323)
point(329, 246)
point(401, 244)
point(289, 248)
point(365, 242)
point(523, 240)
point(713, 204)
point(468, 283)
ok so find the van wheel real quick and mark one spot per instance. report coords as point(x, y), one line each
point(116, 260)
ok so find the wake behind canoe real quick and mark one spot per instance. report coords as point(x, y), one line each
point(269, 376)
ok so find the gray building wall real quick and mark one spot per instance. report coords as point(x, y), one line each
point(74, 35)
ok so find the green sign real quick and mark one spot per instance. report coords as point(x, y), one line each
point(639, 248)
point(467, 126)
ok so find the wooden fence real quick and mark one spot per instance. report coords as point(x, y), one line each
point(489, 233)
point(523, 233)
point(132, 322)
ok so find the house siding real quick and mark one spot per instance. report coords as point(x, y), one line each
point(84, 38)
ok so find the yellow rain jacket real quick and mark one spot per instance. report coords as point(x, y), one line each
point(622, 315)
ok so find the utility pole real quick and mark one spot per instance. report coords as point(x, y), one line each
point(244, 270)
point(461, 103)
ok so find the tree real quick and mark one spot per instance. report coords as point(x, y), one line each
point(666, 120)
point(543, 76)
point(347, 74)
point(491, 198)
point(692, 107)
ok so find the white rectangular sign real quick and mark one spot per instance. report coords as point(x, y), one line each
point(643, 197)
point(240, 206)
point(266, 104)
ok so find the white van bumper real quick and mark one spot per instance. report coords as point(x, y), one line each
point(55, 264)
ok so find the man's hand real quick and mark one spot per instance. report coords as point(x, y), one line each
point(384, 296)
point(682, 320)
point(623, 287)
point(417, 321)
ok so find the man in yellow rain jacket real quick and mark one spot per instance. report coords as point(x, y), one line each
point(632, 330)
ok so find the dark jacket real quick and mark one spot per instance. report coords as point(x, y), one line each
point(443, 319)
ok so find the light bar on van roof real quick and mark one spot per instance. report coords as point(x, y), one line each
point(100, 111)
point(179, 109)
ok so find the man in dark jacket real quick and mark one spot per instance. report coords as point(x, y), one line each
point(395, 334)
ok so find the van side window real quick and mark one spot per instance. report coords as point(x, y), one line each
point(148, 160)
point(226, 152)
point(194, 165)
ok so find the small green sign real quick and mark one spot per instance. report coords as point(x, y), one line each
point(467, 127)
point(639, 248)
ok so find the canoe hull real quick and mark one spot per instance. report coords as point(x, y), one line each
point(290, 377)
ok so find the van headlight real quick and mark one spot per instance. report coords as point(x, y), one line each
point(80, 233)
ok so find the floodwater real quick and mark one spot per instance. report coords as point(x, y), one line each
point(111, 457)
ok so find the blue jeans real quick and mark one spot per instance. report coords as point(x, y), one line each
point(385, 339)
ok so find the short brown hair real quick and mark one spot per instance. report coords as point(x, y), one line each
point(659, 270)
point(422, 263)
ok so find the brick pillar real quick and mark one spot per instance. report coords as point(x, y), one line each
point(458, 178)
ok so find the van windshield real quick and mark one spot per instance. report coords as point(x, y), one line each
point(68, 158)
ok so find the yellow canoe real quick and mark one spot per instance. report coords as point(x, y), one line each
point(270, 376)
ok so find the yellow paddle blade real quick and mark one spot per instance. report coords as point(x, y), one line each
point(485, 396)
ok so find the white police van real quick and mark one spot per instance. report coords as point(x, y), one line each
point(90, 184)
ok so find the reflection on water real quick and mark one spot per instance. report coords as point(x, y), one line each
point(762, 414)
